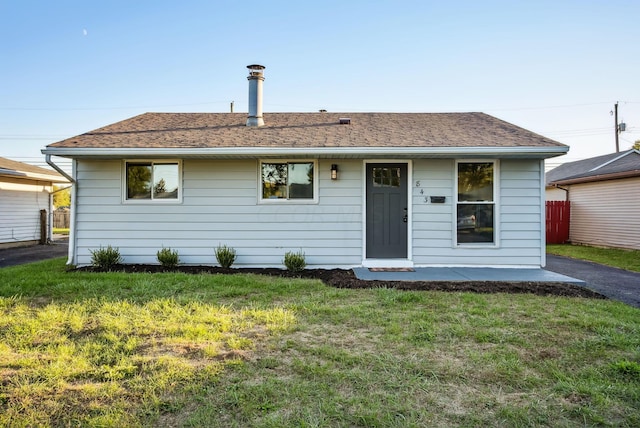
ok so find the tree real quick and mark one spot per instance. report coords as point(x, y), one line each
point(62, 198)
point(636, 145)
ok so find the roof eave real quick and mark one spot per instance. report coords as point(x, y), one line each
point(27, 175)
point(599, 177)
point(320, 152)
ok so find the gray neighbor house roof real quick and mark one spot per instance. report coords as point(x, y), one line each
point(607, 167)
point(309, 134)
point(15, 169)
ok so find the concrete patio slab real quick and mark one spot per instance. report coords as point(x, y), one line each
point(466, 274)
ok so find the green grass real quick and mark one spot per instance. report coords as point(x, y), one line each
point(114, 349)
point(623, 259)
point(61, 231)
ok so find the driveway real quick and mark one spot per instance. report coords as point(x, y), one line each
point(33, 253)
point(616, 284)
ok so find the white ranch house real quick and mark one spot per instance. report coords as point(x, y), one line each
point(348, 189)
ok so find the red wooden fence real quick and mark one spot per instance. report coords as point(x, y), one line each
point(558, 214)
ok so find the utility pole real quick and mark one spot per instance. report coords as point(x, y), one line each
point(617, 130)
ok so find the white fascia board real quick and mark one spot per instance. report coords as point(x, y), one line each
point(32, 176)
point(540, 152)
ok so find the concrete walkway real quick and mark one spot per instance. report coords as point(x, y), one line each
point(616, 284)
point(467, 274)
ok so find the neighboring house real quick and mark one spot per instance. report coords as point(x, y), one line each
point(24, 193)
point(604, 192)
point(347, 189)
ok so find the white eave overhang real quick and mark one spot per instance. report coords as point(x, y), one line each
point(31, 176)
point(318, 152)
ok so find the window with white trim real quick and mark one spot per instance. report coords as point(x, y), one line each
point(475, 202)
point(152, 181)
point(288, 181)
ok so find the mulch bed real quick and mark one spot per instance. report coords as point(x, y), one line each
point(342, 278)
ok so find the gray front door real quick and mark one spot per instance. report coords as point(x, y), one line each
point(386, 210)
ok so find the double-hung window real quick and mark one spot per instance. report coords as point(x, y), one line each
point(288, 181)
point(476, 202)
point(152, 181)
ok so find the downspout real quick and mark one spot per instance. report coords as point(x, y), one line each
point(72, 220)
point(566, 198)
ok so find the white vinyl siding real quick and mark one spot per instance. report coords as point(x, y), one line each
point(518, 219)
point(20, 205)
point(555, 194)
point(606, 213)
point(220, 206)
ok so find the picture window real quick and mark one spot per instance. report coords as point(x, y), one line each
point(286, 181)
point(155, 181)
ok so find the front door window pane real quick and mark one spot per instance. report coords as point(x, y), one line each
point(386, 177)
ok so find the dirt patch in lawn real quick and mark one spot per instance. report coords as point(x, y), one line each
point(342, 278)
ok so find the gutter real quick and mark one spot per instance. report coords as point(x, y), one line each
point(601, 177)
point(328, 152)
point(72, 220)
point(12, 173)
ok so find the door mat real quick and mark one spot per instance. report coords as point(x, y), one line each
point(392, 270)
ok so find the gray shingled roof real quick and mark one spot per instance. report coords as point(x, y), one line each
point(17, 169)
point(191, 131)
point(606, 167)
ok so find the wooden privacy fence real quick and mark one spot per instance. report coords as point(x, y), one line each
point(558, 215)
point(61, 219)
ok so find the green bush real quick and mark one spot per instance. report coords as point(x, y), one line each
point(295, 262)
point(168, 257)
point(225, 256)
point(106, 258)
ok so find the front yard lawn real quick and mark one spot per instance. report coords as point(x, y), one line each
point(172, 349)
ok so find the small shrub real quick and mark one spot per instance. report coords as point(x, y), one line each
point(168, 257)
point(106, 258)
point(225, 256)
point(295, 262)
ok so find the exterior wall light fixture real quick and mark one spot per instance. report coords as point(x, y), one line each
point(334, 171)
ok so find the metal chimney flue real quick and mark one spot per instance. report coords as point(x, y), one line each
point(255, 78)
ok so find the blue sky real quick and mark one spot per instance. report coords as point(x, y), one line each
point(553, 67)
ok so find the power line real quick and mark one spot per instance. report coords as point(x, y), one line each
point(283, 105)
point(110, 108)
